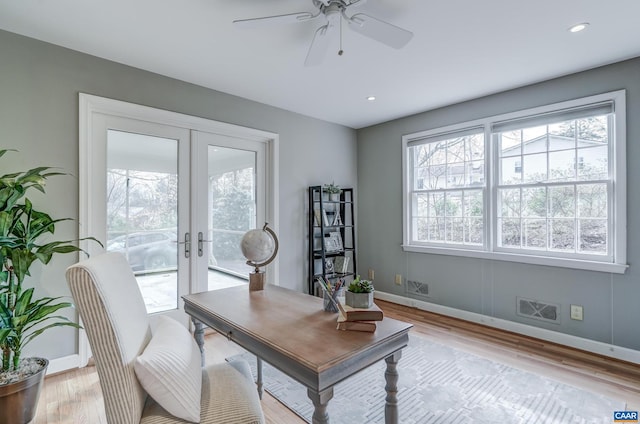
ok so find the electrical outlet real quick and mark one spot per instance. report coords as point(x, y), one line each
point(577, 312)
point(399, 279)
point(372, 274)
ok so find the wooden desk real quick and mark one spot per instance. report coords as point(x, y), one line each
point(291, 331)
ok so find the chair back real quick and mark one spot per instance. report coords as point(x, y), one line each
point(114, 315)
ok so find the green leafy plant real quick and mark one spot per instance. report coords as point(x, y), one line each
point(22, 315)
point(360, 286)
point(331, 188)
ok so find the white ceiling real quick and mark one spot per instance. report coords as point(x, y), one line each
point(462, 49)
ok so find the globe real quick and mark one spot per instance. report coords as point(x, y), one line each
point(259, 246)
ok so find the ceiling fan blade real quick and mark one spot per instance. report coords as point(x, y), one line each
point(319, 45)
point(381, 31)
point(278, 19)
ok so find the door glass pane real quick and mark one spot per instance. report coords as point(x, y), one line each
point(232, 212)
point(142, 201)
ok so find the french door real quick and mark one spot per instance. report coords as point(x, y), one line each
point(174, 194)
point(229, 191)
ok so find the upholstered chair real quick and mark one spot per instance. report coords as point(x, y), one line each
point(129, 354)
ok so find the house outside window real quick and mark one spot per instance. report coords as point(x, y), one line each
point(545, 186)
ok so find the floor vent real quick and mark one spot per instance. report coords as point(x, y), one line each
point(416, 288)
point(539, 310)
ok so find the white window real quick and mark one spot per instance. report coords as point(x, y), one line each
point(545, 185)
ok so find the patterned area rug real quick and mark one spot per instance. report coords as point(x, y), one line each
point(440, 384)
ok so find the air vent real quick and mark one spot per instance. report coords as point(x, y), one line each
point(536, 309)
point(417, 288)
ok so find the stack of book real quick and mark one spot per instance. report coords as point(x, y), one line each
point(358, 319)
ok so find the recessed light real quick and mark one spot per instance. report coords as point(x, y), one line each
point(579, 27)
point(371, 98)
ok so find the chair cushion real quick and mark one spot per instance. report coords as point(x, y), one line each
point(169, 370)
point(229, 396)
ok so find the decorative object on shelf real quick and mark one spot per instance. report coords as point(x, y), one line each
point(333, 190)
point(21, 312)
point(360, 293)
point(260, 247)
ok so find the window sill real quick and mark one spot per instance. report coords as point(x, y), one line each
point(527, 259)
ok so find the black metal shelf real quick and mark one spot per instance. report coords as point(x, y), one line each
point(322, 231)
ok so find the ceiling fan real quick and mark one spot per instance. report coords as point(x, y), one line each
point(332, 11)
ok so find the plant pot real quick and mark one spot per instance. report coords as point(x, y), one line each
point(334, 197)
point(19, 400)
point(358, 300)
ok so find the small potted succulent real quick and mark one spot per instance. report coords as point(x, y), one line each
point(359, 293)
point(333, 191)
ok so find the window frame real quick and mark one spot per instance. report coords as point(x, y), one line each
point(617, 221)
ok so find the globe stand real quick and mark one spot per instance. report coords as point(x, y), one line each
point(256, 280)
point(252, 237)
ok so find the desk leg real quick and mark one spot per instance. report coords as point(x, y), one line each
point(320, 401)
point(391, 377)
point(198, 334)
point(259, 382)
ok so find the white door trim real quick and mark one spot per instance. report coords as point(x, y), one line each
point(90, 106)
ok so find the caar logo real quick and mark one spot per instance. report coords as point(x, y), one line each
point(625, 416)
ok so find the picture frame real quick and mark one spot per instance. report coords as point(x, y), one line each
point(337, 240)
point(331, 244)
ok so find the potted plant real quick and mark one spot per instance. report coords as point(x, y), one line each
point(24, 316)
point(333, 191)
point(359, 293)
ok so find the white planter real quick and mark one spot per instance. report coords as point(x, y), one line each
point(334, 197)
point(358, 300)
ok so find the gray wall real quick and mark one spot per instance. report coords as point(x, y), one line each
point(39, 86)
point(488, 287)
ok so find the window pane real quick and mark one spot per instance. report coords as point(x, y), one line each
point(509, 201)
point(562, 165)
point(593, 236)
point(592, 201)
point(455, 150)
point(454, 204)
point(422, 205)
point(593, 129)
point(535, 233)
point(436, 229)
point(475, 147)
point(534, 202)
point(455, 229)
point(475, 173)
point(562, 202)
point(563, 234)
point(473, 203)
point(474, 231)
point(593, 165)
point(421, 229)
point(455, 175)
point(509, 232)
point(510, 143)
point(534, 168)
point(436, 204)
point(511, 170)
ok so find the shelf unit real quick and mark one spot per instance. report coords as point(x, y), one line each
point(332, 238)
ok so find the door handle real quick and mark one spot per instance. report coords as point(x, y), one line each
point(187, 245)
point(201, 240)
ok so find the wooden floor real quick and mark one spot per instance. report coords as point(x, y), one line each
point(75, 396)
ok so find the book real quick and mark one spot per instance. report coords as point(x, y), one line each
point(341, 264)
point(368, 326)
point(374, 313)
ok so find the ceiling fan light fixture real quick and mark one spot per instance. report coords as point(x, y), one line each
point(579, 27)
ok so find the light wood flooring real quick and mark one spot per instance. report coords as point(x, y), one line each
point(75, 396)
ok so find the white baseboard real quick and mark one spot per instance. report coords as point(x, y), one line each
point(65, 363)
point(613, 351)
